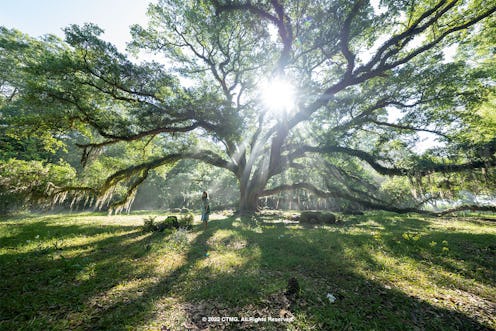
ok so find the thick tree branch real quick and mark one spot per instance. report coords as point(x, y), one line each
point(368, 204)
point(340, 195)
point(365, 72)
point(407, 127)
point(129, 136)
point(397, 42)
point(118, 138)
point(345, 36)
point(285, 32)
point(395, 171)
point(203, 155)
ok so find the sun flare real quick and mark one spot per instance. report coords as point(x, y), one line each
point(278, 95)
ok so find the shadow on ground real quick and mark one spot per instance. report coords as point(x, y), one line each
point(245, 274)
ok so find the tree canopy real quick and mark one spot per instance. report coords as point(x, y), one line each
point(350, 65)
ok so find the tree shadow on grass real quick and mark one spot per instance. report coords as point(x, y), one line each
point(129, 312)
point(465, 254)
point(252, 285)
point(41, 287)
point(367, 299)
point(472, 255)
point(386, 221)
point(22, 232)
point(323, 265)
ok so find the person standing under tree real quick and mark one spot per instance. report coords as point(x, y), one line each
point(205, 209)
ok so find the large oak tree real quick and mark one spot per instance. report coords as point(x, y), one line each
point(351, 64)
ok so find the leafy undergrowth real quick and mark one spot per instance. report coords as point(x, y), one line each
point(384, 271)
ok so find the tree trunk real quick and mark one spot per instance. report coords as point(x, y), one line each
point(248, 199)
point(248, 202)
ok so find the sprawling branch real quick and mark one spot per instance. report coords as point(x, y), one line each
point(398, 42)
point(379, 62)
point(409, 128)
point(188, 120)
point(340, 195)
point(395, 171)
point(203, 155)
point(368, 204)
point(117, 138)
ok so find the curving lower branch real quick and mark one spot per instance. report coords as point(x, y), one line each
point(341, 195)
point(396, 171)
point(371, 205)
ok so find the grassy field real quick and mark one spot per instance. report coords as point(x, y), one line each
point(385, 271)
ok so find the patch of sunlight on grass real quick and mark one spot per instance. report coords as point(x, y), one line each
point(165, 264)
point(219, 235)
point(193, 235)
point(119, 220)
point(257, 229)
point(255, 225)
point(167, 311)
point(467, 225)
point(133, 240)
point(297, 227)
point(197, 217)
point(220, 262)
point(76, 244)
point(371, 224)
point(8, 232)
point(303, 321)
point(405, 271)
point(237, 223)
point(446, 278)
point(102, 219)
point(87, 273)
point(226, 239)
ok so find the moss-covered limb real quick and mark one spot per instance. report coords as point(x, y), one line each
point(342, 195)
point(370, 204)
point(203, 156)
point(373, 161)
point(130, 178)
point(113, 139)
point(127, 200)
point(59, 194)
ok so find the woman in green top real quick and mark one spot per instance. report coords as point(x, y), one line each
point(205, 209)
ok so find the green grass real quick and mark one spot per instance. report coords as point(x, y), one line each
point(387, 272)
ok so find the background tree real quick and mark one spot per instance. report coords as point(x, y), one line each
point(349, 64)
